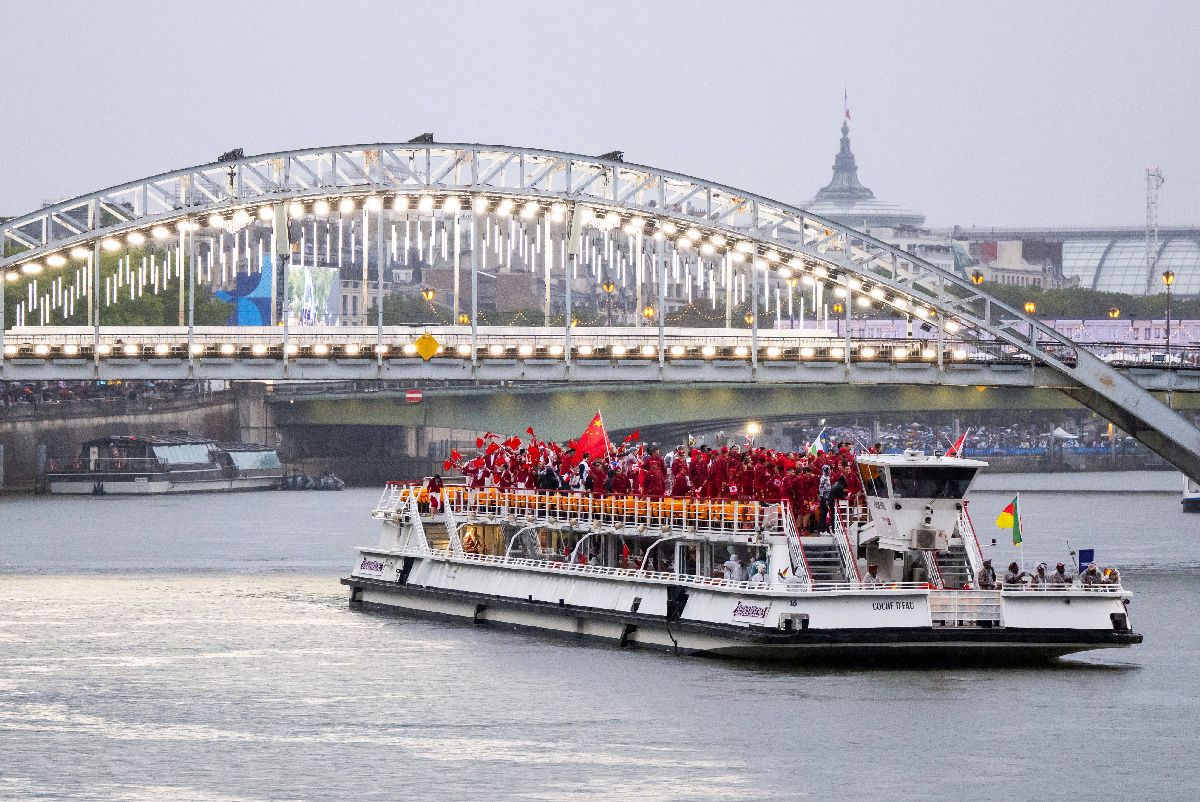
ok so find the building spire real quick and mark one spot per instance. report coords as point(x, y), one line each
point(844, 189)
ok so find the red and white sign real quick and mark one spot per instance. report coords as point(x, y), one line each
point(413, 396)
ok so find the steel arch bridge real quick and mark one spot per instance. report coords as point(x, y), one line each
point(647, 224)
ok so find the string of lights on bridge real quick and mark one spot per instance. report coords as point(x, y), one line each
point(700, 261)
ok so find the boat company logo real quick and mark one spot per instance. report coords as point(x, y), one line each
point(751, 612)
point(370, 566)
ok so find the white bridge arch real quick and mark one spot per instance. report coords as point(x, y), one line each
point(655, 211)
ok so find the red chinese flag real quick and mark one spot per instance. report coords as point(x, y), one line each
point(492, 448)
point(593, 442)
point(529, 431)
point(454, 455)
point(636, 434)
point(446, 465)
point(512, 442)
point(479, 442)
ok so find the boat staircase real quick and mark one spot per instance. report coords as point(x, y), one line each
point(824, 559)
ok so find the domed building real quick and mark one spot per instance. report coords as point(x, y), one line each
point(845, 200)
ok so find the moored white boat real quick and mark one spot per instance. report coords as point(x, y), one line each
point(637, 571)
point(175, 463)
point(1191, 495)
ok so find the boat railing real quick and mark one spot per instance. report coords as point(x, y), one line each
point(956, 608)
point(843, 515)
point(970, 540)
point(711, 517)
point(1074, 587)
point(932, 569)
point(664, 576)
point(800, 571)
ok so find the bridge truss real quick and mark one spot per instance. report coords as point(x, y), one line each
point(645, 224)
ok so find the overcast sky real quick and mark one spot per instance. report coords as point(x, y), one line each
point(1041, 113)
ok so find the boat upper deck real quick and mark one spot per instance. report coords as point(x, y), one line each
point(709, 517)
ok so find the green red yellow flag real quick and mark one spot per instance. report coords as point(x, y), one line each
point(1010, 518)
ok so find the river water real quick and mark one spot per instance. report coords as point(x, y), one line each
point(200, 648)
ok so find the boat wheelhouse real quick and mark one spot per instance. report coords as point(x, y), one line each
point(731, 578)
point(176, 463)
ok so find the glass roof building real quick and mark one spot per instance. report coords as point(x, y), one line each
point(1112, 259)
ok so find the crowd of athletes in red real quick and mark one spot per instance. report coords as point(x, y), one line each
point(811, 480)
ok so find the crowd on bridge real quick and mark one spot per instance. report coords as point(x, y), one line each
point(812, 480)
point(59, 392)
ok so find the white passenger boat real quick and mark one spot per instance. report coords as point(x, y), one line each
point(175, 463)
point(1191, 495)
point(646, 572)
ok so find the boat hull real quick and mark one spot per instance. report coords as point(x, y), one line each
point(153, 485)
point(849, 645)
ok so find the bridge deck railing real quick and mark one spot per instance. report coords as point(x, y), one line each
point(540, 343)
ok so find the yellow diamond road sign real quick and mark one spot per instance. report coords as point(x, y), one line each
point(427, 346)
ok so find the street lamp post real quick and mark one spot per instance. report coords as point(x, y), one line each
point(1168, 278)
point(609, 288)
point(791, 282)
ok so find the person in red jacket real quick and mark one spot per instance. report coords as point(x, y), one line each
point(652, 482)
point(680, 485)
point(698, 472)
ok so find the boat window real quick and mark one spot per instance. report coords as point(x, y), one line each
point(872, 480)
point(927, 482)
point(182, 455)
point(249, 460)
